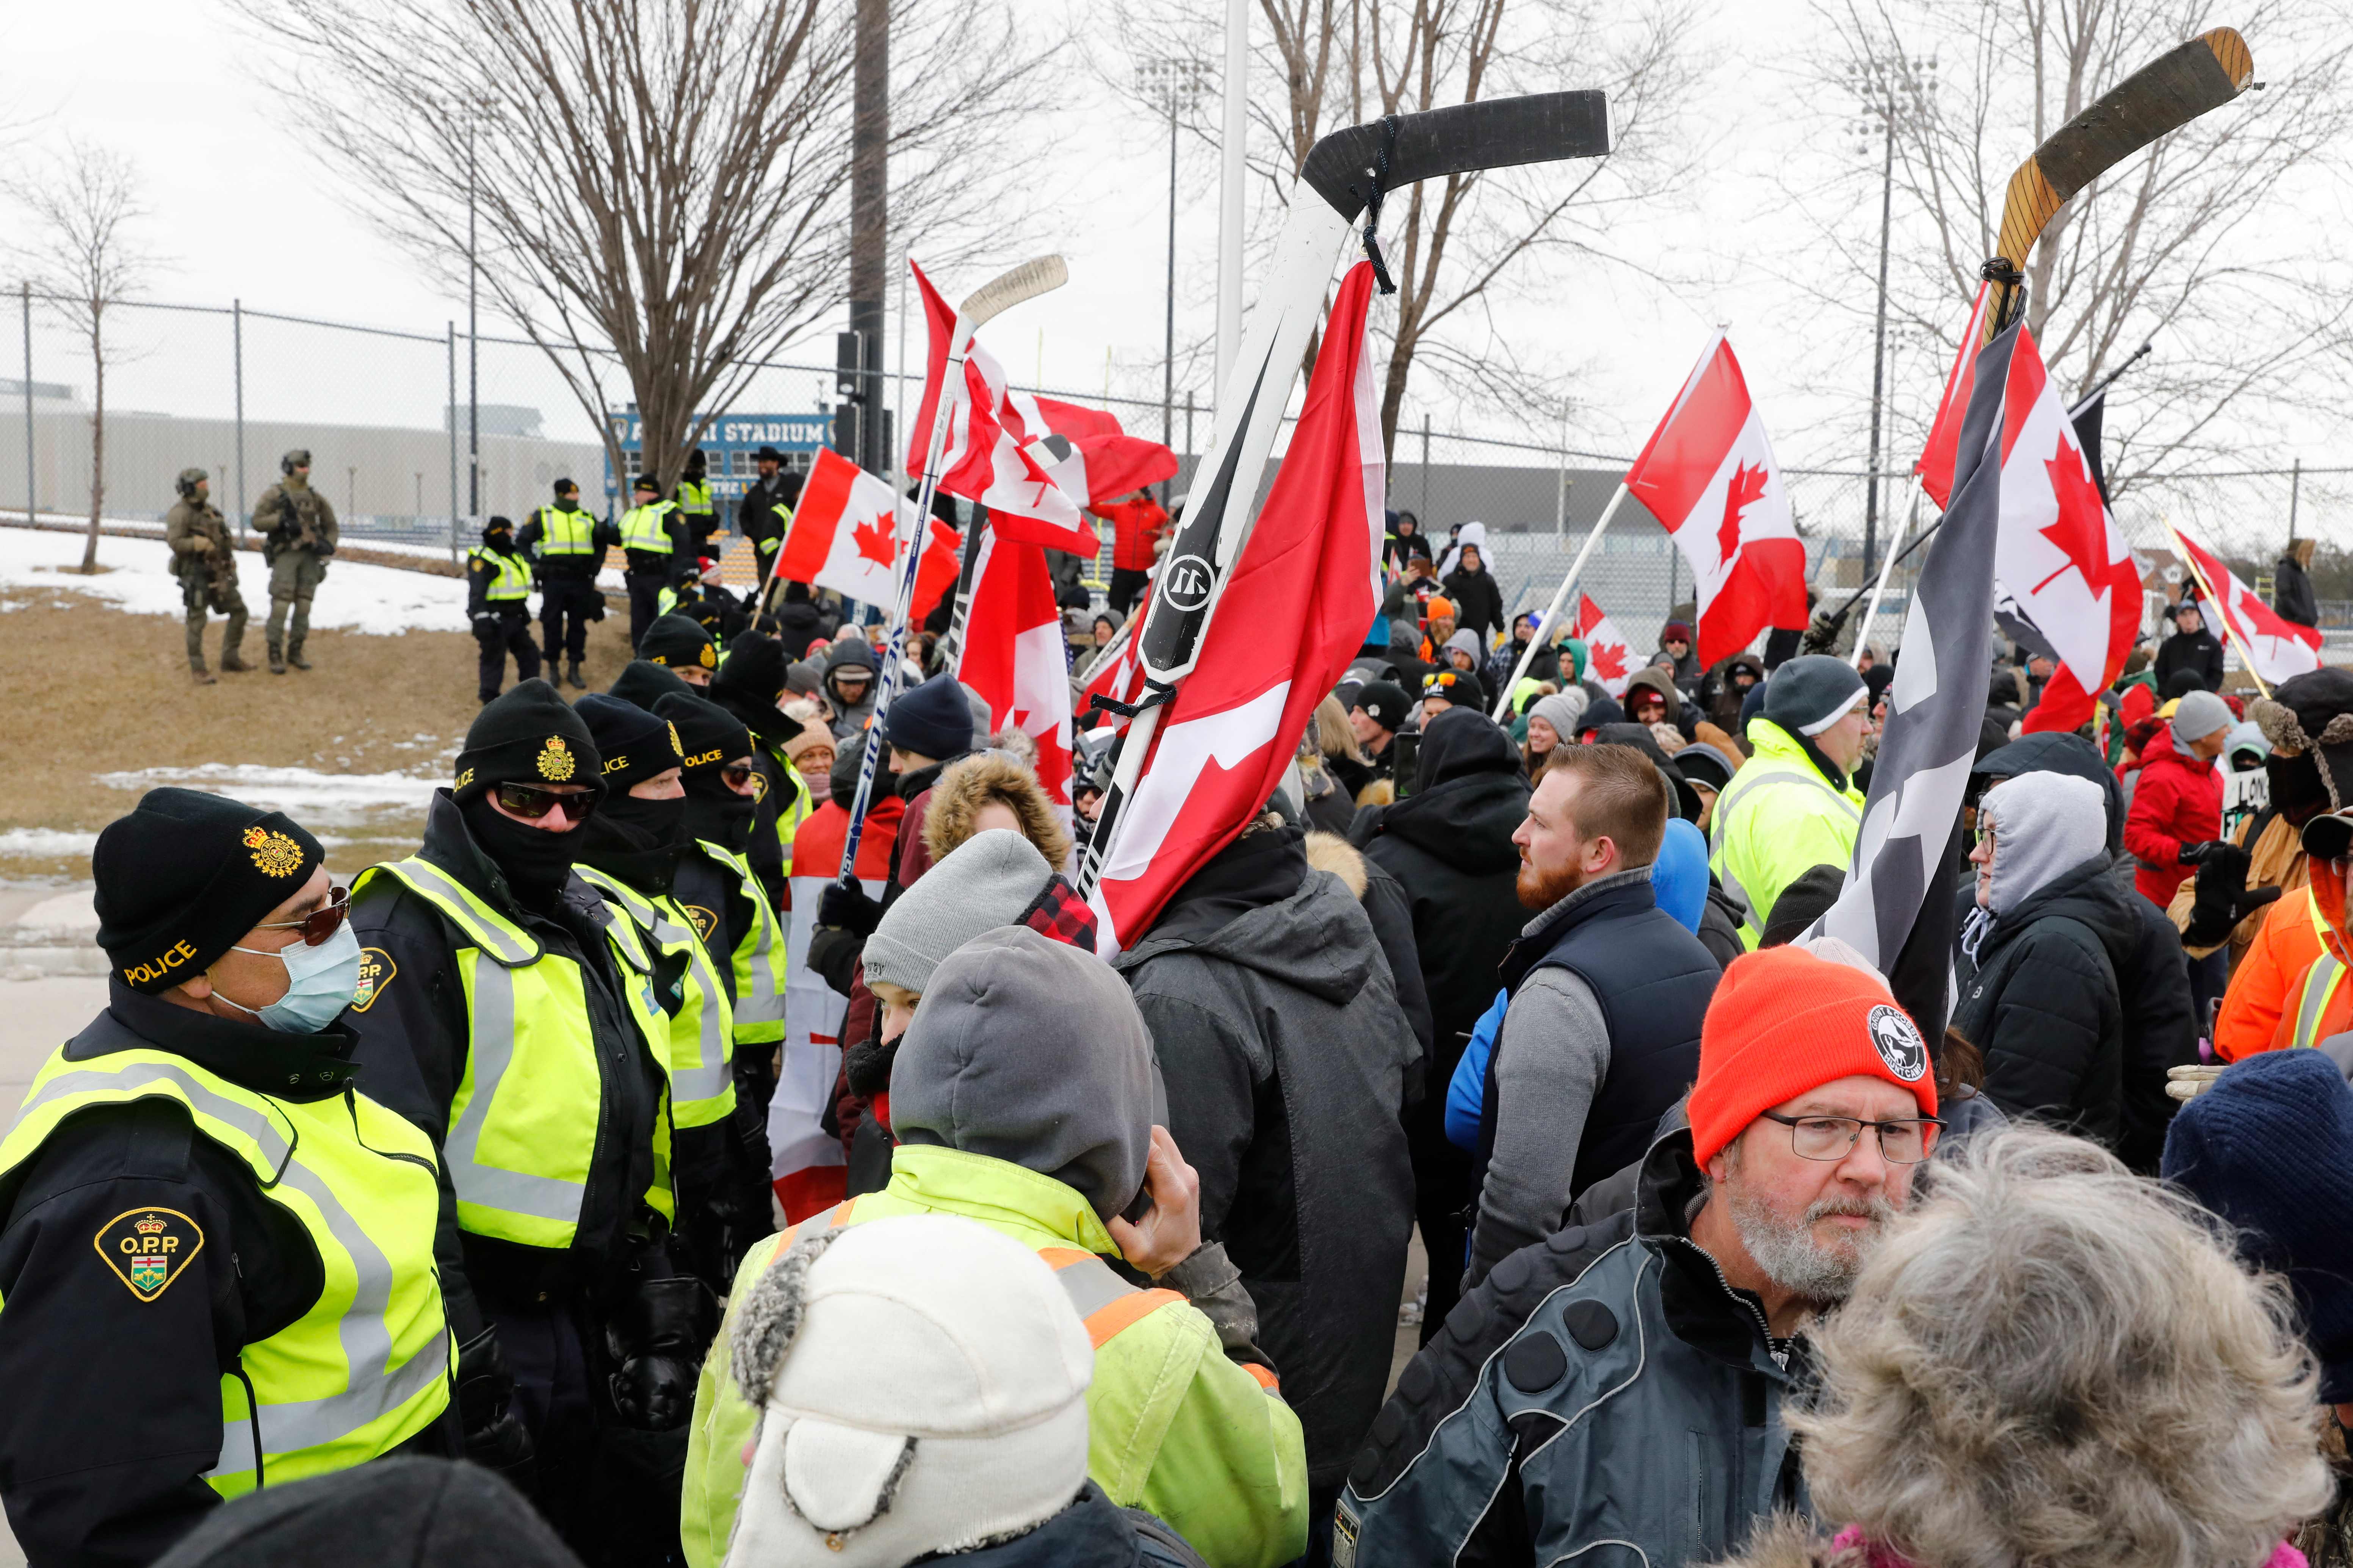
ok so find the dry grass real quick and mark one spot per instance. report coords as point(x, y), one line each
point(91, 689)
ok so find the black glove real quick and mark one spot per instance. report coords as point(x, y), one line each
point(495, 1435)
point(847, 907)
point(2195, 854)
point(659, 1327)
point(833, 955)
point(2222, 898)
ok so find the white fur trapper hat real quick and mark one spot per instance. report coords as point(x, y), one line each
point(922, 1389)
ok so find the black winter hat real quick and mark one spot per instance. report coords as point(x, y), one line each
point(849, 651)
point(527, 735)
point(1811, 692)
point(391, 1513)
point(185, 875)
point(841, 784)
point(635, 744)
point(647, 684)
point(710, 735)
point(754, 665)
point(1386, 703)
point(496, 526)
point(675, 642)
point(932, 721)
point(1805, 900)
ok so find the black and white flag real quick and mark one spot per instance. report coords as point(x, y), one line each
point(1897, 905)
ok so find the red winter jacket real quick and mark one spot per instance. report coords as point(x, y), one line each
point(1135, 526)
point(2178, 801)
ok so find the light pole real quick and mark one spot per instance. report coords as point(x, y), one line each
point(1890, 89)
point(1175, 85)
point(474, 344)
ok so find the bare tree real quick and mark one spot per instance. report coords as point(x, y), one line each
point(81, 209)
point(663, 184)
point(2205, 242)
point(1460, 247)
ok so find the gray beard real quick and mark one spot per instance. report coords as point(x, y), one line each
point(1791, 1257)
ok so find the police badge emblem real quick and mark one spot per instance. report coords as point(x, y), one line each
point(554, 760)
point(148, 1248)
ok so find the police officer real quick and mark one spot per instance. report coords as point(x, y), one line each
point(654, 542)
point(521, 1026)
point(681, 646)
point(718, 889)
point(498, 603)
point(695, 504)
point(766, 508)
point(299, 532)
point(750, 684)
point(216, 1253)
point(206, 562)
point(569, 546)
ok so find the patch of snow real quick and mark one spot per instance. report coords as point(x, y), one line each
point(73, 910)
point(313, 798)
point(47, 842)
point(382, 601)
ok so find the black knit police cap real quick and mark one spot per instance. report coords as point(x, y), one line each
point(186, 876)
point(676, 643)
point(635, 744)
point(528, 735)
point(712, 735)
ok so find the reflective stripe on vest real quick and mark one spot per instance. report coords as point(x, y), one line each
point(758, 959)
point(565, 533)
point(514, 579)
point(644, 527)
point(699, 1057)
point(1751, 777)
point(367, 1366)
point(693, 497)
point(2321, 979)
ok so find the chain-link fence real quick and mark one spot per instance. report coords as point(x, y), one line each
point(416, 433)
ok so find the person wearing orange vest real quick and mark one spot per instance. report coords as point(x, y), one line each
point(1025, 1096)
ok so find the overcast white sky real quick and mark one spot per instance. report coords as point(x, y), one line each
point(242, 208)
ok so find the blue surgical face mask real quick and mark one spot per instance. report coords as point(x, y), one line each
point(320, 983)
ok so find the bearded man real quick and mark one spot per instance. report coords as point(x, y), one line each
point(1619, 1386)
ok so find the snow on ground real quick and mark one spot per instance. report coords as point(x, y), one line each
point(332, 800)
point(383, 601)
point(46, 843)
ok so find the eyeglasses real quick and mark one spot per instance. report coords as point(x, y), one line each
point(531, 802)
point(735, 775)
point(319, 923)
point(1904, 1143)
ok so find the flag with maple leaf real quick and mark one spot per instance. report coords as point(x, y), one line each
point(1935, 465)
point(1708, 475)
point(1116, 674)
point(1014, 658)
point(845, 534)
point(1292, 614)
point(1609, 661)
point(2269, 643)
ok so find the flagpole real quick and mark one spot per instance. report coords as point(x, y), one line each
point(1552, 612)
point(2190, 559)
point(1871, 612)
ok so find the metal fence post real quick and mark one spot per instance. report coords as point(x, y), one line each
point(449, 418)
point(236, 349)
point(1425, 475)
point(31, 495)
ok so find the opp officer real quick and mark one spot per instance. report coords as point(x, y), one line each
point(680, 646)
point(498, 603)
point(516, 1022)
point(206, 562)
point(694, 502)
point(569, 546)
point(654, 542)
point(299, 532)
point(217, 1254)
point(767, 510)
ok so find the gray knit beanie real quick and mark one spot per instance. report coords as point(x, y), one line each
point(1563, 711)
point(2198, 715)
point(988, 881)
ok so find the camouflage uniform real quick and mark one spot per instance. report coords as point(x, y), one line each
point(299, 532)
point(205, 562)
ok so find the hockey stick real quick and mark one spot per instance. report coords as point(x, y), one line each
point(1351, 171)
point(1552, 610)
point(1027, 282)
point(2165, 94)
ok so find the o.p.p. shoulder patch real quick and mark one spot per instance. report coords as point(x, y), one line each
point(1898, 1042)
point(705, 921)
point(148, 1248)
point(376, 970)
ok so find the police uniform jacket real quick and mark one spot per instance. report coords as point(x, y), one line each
point(413, 1042)
point(604, 535)
point(112, 1411)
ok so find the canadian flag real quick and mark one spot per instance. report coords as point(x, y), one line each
point(1033, 461)
point(1609, 659)
point(2060, 562)
point(1935, 465)
point(1291, 616)
point(1116, 674)
point(845, 534)
point(1708, 475)
point(1013, 655)
point(2272, 645)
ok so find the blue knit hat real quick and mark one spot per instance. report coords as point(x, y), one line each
point(2269, 1148)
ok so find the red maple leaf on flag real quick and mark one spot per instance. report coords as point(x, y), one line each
point(1609, 660)
point(1747, 488)
point(873, 541)
point(2081, 530)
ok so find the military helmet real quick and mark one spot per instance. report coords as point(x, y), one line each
point(300, 458)
point(188, 480)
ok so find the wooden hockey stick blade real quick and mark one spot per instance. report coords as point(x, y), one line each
point(1042, 275)
point(1499, 133)
point(2165, 94)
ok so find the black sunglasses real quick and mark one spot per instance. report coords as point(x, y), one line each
point(319, 923)
point(531, 802)
point(735, 775)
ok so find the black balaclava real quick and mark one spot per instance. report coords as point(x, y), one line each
point(637, 840)
point(529, 735)
point(711, 738)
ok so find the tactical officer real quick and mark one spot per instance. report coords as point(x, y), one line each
point(720, 891)
point(681, 646)
point(695, 504)
point(519, 1023)
point(498, 603)
point(299, 532)
point(569, 546)
point(629, 854)
point(766, 508)
point(654, 542)
point(217, 1254)
point(206, 562)
point(749, 684)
